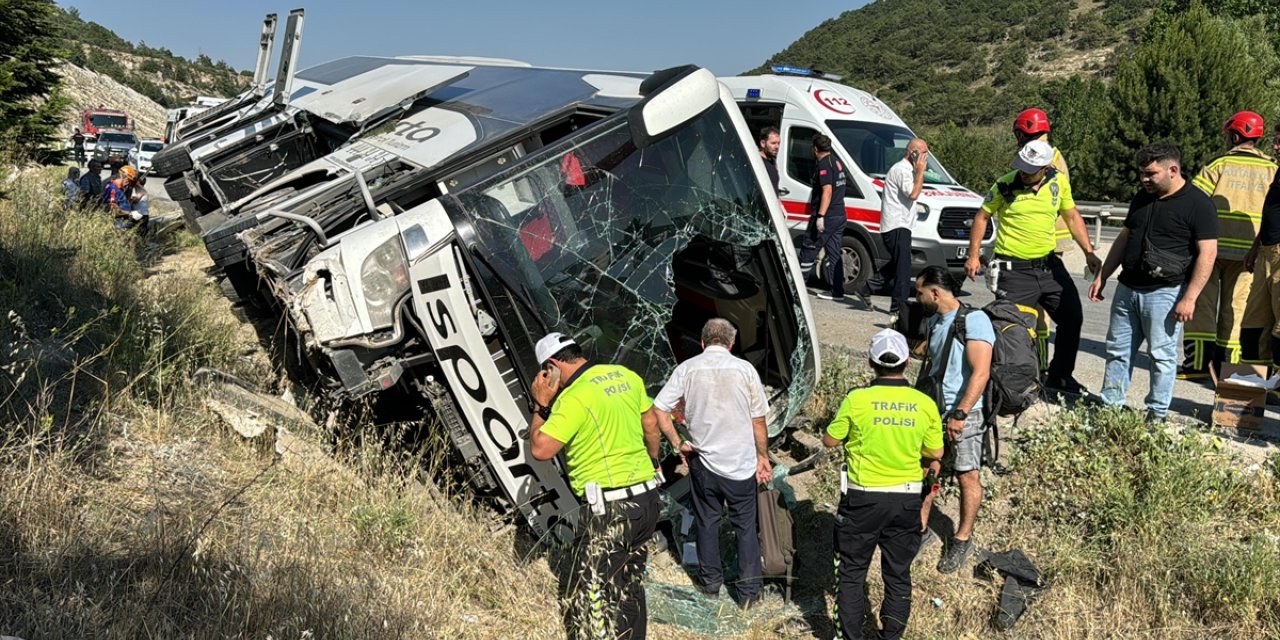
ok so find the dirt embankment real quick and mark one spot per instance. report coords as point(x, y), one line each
point(88, 90)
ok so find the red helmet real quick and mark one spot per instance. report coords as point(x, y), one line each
point(1032, 122)
point(1246, 123)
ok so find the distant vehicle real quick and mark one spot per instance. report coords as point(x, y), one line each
point(870, 138)
point(114, 146)
point(140, 155)
point(94, 121)
point(198, 104)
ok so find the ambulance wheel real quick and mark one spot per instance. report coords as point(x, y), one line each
point(857, 263)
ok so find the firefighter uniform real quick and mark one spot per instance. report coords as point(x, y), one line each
point(883, 429)
point(1262, 311)
point(1237, 182)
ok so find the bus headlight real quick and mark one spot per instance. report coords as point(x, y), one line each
point(384, 277)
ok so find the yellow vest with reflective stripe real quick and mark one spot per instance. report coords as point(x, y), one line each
point(1060, 231)
point(1237, 182)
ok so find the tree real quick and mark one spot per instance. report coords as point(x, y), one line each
point(1181, 85)
point(29, 50)
point(1076, 106)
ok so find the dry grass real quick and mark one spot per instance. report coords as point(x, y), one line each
point(127, 510)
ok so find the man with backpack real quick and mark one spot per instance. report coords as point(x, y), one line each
point(960, 345)
point(1167, 247)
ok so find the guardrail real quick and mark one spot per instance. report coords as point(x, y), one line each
point(1101, 212)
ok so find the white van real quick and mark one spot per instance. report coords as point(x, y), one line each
point(869, 137)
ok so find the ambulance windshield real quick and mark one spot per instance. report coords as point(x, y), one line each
point(875, 147)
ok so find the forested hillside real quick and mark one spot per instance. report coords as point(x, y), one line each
point(1113, 75)
point(156, 73)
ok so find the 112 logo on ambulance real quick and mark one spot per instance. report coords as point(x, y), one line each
point(833, 101)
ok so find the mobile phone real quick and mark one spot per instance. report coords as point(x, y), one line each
point(914, 157)
point(553, 376)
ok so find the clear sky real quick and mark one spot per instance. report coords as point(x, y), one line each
point(725, 36)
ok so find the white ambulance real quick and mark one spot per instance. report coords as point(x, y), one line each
point(870, 138)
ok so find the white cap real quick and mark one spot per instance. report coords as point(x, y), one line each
point(550, 345)
point(1034, 156)
point(889, 341)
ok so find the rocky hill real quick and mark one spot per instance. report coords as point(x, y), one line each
point(155, 72)
point(87, 89)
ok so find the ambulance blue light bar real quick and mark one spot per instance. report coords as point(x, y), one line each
point(787, 70)
point(753, 93)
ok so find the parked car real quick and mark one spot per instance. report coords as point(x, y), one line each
point(113, 147)
point(140, 156)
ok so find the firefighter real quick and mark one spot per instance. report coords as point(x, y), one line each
point(115, 194)
point(1033, 124)
point(1237, 182)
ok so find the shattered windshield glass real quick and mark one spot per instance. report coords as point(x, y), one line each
point(597, 235)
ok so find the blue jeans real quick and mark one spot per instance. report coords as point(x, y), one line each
point(1138, 316)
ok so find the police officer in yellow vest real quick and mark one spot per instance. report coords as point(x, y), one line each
point(1028, 271)
point(1033, 124)
point(603, 419)
point(885, 430)
point(1237, 183)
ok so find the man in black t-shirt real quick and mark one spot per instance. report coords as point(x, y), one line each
point(1166, 249)
point(826, 217)
point(769, 142)
point(1262, 308)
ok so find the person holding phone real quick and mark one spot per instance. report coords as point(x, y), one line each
point(604, 421)
point(902, 186)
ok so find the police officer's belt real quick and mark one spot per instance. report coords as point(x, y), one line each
point(614, 495)
point(1016, 264)
point(906, 487)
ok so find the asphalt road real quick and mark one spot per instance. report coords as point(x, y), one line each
point(851, 325)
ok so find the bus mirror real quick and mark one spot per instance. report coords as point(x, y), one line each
point(672, 97)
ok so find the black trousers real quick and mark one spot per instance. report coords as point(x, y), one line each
point(830, 240)
point(865, 521)
point(710, 494)
point(607, 594)
point(897, 272)
point(1053, 289)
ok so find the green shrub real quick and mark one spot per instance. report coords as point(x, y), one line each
point(1124, 506)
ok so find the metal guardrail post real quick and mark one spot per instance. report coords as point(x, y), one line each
point(1103, 214)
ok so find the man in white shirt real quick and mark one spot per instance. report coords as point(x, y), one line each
point(724, 414)
point(902, 186)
